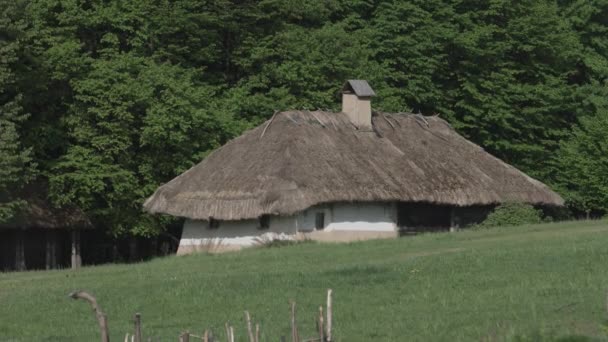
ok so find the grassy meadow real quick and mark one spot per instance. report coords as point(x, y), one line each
point(503, 284)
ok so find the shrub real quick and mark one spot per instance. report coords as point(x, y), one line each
point(512, 214)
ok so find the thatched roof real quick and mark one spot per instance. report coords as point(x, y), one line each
point(298, 159)
point(39, 213)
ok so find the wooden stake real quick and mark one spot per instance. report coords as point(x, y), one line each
point(127, 337)
point(257, 332)
point(320, 325)
point(249, 329)
point(328, 321)
point(137, 321)
point(294, 327)
point(607, 302)
point(206, 336)
point(227, 333)
point(184, 337)
point(102, 319)
point(231, 334)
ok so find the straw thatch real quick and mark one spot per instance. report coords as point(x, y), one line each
point(300, 158)
point(39, 214)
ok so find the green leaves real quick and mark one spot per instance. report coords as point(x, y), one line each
point(16, 166)
point(124, 96)
point(582, 163)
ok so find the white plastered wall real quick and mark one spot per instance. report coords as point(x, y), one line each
point(343, 222)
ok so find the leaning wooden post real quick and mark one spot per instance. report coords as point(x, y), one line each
point(76, 258)
point(137, 321)
point(294, 327)
point(102, 319)
point(249, 328)
point(328, 321)
point(257, 332)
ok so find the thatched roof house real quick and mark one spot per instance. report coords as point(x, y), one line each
point(302, 159)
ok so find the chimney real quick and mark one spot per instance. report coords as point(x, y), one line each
point(356, 103)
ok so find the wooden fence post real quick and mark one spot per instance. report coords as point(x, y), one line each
point(137, 321)
point(329, 313)
point(320, 326)
point(102, 319)
point(249, 328)
point(294, 327)
point(184, 337)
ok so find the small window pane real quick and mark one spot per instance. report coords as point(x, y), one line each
point(320, 221)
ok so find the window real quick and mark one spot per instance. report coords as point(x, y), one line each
point(320, 221)
point(213, 223)
point(264, 222)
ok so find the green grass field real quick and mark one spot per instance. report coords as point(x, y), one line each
point(493, 285)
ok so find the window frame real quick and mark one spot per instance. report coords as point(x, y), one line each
point(320, 220)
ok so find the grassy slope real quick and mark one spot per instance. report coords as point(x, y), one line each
point(466, 286)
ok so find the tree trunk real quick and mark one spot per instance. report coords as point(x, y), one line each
point(20, 251)
point(51, 250)
point(76, 258)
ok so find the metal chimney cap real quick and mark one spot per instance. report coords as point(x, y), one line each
point(360, 87)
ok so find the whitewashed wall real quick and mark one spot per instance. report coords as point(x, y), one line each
point(343, 222)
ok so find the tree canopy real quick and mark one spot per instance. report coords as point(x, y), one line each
point(103, 101)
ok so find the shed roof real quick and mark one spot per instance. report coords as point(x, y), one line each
point(299, 159)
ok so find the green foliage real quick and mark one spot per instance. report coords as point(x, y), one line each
point(511, 214)
point(123, 96)
point(485, 285)
point(15, 160)
point(583, 164)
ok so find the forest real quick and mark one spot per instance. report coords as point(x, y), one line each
point(102, 101)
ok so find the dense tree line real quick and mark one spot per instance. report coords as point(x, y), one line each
point(102, 101)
